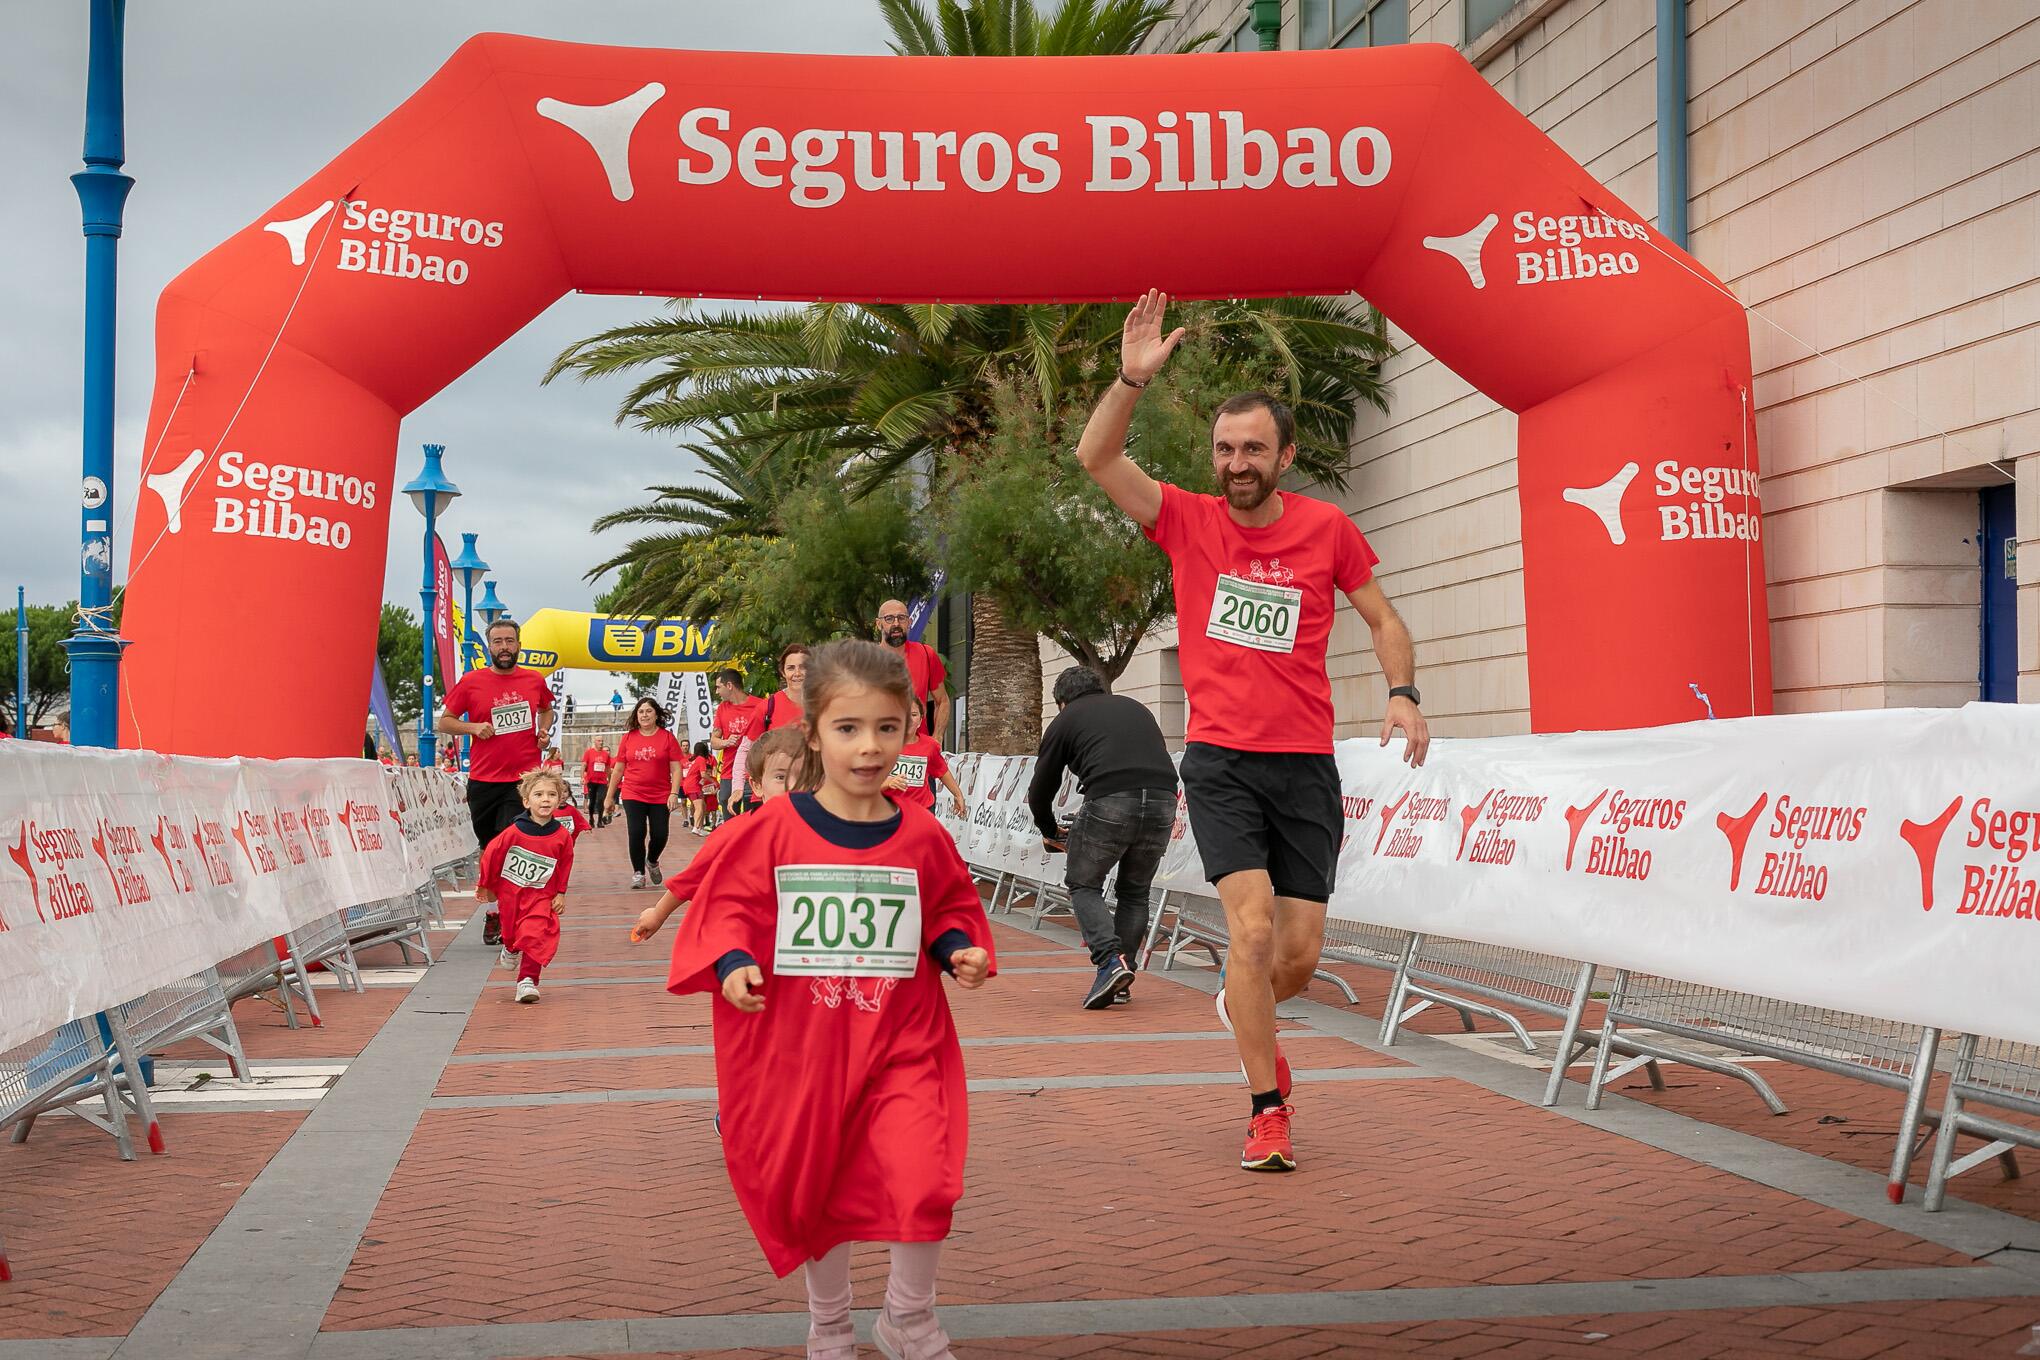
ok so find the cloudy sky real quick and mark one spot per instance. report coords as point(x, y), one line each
point(230, 103)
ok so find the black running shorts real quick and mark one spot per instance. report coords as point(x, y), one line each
point(1272, 810)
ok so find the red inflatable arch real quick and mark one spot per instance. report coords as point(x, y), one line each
point(525, 169)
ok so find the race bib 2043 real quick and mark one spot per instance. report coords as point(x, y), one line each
point(838, 920)
point(508, 718)
point(913, 769)
point(527, 868)
point(1255, 614)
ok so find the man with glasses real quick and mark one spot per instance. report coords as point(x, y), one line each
point(924, 666)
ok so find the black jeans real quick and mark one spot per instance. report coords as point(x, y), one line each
point(1129, 830)
point(596, 793)
point(645, 826)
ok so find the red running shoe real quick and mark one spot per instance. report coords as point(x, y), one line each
point(1268, 1147)
point(1284, 1080)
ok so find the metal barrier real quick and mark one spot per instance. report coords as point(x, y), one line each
point(1885, 1053)
point(262, 969)
point(84, 1060)
point(324, 941)
point(93, 1058)
point(1994, 1072)
point(1479, 979)
point(399, 920)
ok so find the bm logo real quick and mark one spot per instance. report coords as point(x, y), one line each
point(534, 658)
point(667, 640)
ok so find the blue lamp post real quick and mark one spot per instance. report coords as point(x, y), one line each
point(468, 566)
point(102, 195)
point(430, 492)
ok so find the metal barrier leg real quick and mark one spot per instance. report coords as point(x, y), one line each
point(1345, 987)
point(1909, 1118)
point(138, 1090)
point(1147, 946)
point(302, 978)
point(1568, 1035)
point(1391, 1014)
point(1951, 1116)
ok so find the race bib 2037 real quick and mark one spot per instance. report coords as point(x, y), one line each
point(838, 920)
point(527, 868)
point(508, 718)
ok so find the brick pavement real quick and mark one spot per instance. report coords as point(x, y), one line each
point(573, 1223)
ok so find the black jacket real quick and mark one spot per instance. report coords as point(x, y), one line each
point(1112, 742)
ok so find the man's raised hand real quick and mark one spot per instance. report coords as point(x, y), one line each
point(1143, 349)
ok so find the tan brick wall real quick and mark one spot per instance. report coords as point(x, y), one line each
point(1865, 174)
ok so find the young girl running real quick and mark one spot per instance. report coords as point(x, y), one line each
point(921, 766)
point(826, 924)
point(774, 758)
point(691, 788)
point(525, 870)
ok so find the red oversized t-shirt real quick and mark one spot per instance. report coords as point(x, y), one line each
point(924, 669)
point(922, 763)
point(691, 777)
point(1254, 614)
point(647, 763)
point(734, 722)
point(844, 1112)
point(512, 703)
point(595, 766)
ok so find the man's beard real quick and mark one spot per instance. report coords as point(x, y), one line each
point(895, 636)
point(1247, 497)
point(504, 660)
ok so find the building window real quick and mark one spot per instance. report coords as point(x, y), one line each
point(1369, 23)
point(1317, 23)
point(1482, 15)
point(1245, 38)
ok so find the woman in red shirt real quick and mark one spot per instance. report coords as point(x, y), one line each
point(651, 760)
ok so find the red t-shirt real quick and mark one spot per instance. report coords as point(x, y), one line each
point(595, 766)
point(924, 669)
point(840, 1072)
point(733, 721)
point(922, 763)
point(512, 702)
point(786, 711)
point(691, 777)
point(647, 764)
point(1252, 647)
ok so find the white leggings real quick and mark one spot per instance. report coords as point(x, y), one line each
point(909, 1289)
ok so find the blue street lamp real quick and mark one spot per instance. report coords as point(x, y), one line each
point(102, 194)
point(430, 492)
point(490, 608)
point(467, 567)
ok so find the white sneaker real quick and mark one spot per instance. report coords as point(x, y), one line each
point(527, 991)
point(507, 959)
point(637, 880)
point(654, 874)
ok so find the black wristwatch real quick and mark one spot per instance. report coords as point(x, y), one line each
point(1408, 692)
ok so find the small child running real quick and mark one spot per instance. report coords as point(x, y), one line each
point(921, 765)
point(769, 766)
point(691, 777)
point(826, 925)
point(525, 871)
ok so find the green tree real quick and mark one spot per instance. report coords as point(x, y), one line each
point(49, 668)
point(400, 647)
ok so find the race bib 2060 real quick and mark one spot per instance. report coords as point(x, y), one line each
point(839, 920)
point(1255, 614)
point(526, 868)
point(508, 718)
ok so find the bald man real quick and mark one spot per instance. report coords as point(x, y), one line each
point(924, 666)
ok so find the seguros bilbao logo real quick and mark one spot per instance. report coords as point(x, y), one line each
point(1996, 842)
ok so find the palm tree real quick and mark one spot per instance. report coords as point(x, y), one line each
point(886, 390)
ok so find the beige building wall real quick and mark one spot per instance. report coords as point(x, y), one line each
point(1865, 175)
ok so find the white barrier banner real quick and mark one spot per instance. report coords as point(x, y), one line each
point(432, 811)
point(129, 869)
point(1883, 862)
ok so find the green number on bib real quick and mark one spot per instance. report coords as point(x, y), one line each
point(864, 931)
point(898, 905)
point(1281, 620)
point(831, 938)
point(802, 933)
point(1228, 607)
